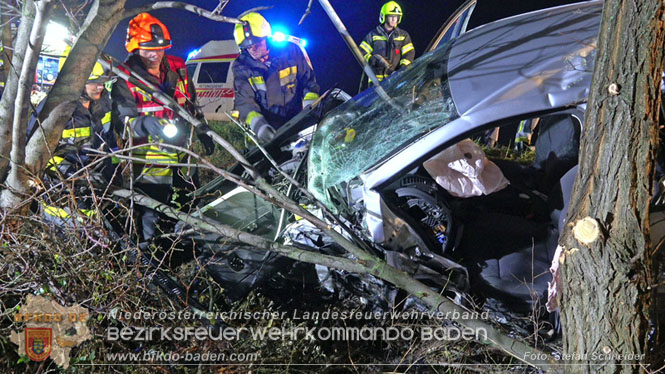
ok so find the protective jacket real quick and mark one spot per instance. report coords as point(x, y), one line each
point(135, 113)
point(274, 92)
point(89, 128)
point(387, 51)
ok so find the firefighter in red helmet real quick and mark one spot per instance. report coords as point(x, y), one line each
point(148, 121)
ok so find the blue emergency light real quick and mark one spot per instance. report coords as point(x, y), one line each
point(193, 53)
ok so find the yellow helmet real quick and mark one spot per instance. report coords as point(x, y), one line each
point(253, 29)
point(390, 8)
point(98, 74)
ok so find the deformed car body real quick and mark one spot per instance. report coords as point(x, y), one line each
point(365, 160)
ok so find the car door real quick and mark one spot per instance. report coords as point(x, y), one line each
point(454, 26)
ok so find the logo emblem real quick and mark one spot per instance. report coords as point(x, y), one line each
point(38, 343)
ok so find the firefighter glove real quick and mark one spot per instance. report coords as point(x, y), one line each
point(265, 133)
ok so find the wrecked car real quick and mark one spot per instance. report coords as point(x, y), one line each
point(368, 160)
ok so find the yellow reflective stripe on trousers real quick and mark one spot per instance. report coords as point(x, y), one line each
point(78, 132)
point(404, 62)
point(64, 214)
point(407, 48)
point(56, 212)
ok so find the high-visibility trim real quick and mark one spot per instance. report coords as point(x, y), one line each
point(366, 47)
point(78, 132)
point(54, 162)
point(146, 95)
point(56, 212)
point(88, 212)
point(407, 48)
point(378, 37)
point(257, 83)
point(107, 118)
point(63, 214)
point(252, 117)
point(404, 62)
point(291, 70)
point(156, 172)
point(400, 38)
point(288, 75)
point(368, 50)
point(257, 80)
point(311, 96)
point(156, 179)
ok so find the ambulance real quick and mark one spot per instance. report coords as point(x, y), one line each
point(210, 69)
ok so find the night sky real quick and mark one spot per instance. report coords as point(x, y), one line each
point(332, 60)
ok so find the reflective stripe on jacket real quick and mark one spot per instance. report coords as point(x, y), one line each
point(87, 128)
point(273, 95)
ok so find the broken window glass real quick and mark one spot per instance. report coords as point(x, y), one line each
point(367, 129)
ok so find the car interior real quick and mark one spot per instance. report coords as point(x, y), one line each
point(506, 239)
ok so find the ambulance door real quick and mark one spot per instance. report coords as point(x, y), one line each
point(214, 88)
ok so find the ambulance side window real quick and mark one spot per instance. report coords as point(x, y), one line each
point(213, 72)
point(191, 69)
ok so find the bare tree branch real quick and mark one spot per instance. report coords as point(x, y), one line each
point(378, 268)
point(307, 12)
point(179, 5)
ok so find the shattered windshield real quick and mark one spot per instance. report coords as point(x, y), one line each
point(367, 129)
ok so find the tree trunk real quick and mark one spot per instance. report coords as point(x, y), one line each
point(11, 85)
point(17, 185)
point(6, 43)
point(605, 267)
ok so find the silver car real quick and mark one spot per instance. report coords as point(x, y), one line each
point(526, 76)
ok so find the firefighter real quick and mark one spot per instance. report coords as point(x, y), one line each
point(387, 47)
point(87, 130)
point(142, 119)
point(271, 86)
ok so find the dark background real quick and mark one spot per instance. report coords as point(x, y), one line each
point(332, 60)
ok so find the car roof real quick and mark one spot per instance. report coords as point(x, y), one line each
point(538, 60)
point(529, 63)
